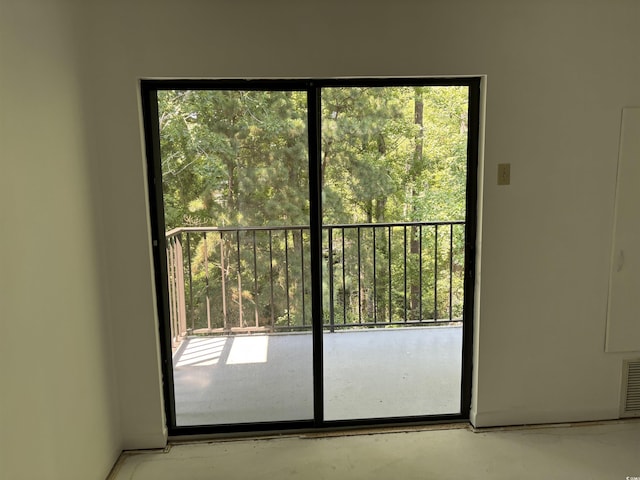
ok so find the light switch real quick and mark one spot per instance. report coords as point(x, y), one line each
point(504, 173)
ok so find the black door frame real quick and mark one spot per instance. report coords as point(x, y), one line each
point(313, 87)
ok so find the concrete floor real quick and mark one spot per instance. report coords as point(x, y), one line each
point(583, 452)
point(367, 374)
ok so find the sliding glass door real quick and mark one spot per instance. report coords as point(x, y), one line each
point(313, 247)
point(236, 212)
point(394, 173)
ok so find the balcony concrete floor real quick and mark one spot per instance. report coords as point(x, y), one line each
point(367, 374)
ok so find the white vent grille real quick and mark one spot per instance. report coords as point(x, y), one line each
point(630, 388)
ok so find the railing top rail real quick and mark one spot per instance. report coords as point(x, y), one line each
point(178, 230)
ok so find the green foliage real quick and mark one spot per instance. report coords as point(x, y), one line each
point(233, 158)
point(240, 158)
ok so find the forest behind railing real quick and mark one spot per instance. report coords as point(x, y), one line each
point(392, 171)
point(225, 280)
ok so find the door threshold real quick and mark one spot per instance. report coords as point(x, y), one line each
point(323, 432)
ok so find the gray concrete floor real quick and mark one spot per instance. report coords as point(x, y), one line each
point(583, 452)
point(367, 374)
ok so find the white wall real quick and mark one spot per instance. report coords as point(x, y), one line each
point(623, 330)
point(558, 75)
point(59, 415)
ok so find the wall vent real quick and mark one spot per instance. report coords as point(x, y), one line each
point(630, 388)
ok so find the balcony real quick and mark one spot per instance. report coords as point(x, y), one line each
point(240, 310)
point(399, 372)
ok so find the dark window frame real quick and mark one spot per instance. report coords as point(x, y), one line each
point(313, 87)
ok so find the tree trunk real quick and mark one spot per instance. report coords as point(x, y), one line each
point(414, 303)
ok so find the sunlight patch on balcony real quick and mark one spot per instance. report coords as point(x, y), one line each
point(251, 349)
point(201, 352)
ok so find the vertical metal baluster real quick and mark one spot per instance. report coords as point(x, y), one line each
point(359, 281)
point(286, 275)
point(405, 272)
point(240, 316)
point(330, 260)
point(179, 259)
point(389, 262)
point(206, 279)
point(375, 290)
point(171, 275)
point(225, 316)
point(420, 260)
point(175, 286)
point(271, 278)
point(304, 316)
point(344, 285)
point(450, 271)
point(435, 276)
point(190, 282)
point(255, 280)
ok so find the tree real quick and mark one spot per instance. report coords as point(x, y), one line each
point(389, 154)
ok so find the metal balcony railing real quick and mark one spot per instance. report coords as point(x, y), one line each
point(248, 279)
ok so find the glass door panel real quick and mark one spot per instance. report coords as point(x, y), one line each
point(236, 203)
point(393, 177)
